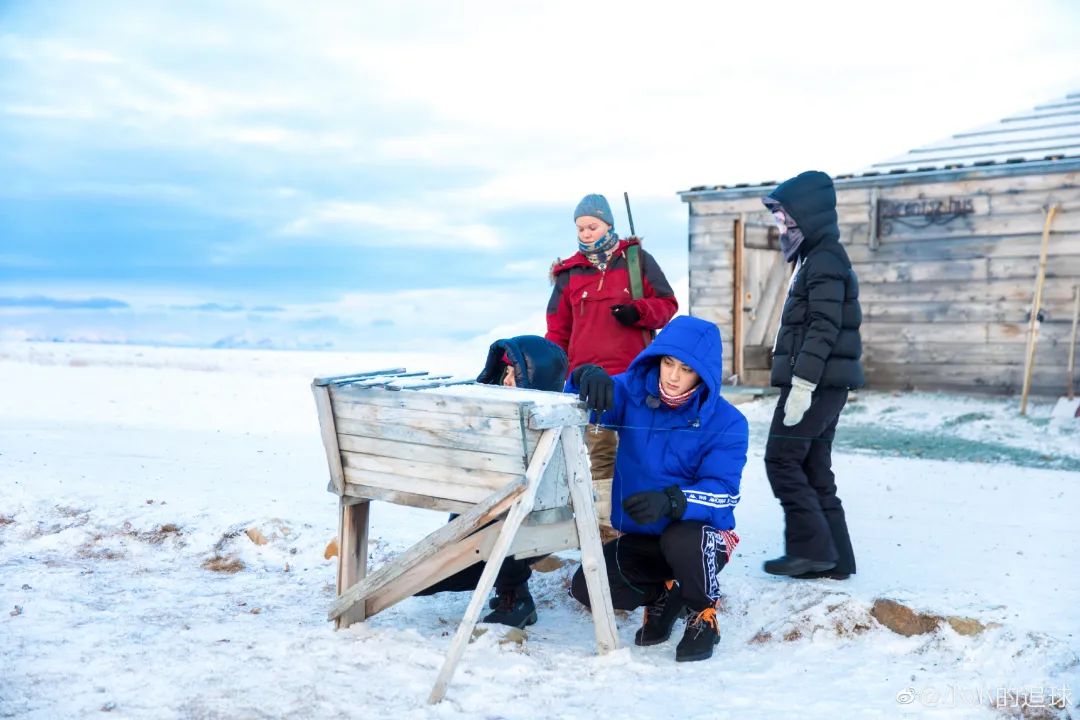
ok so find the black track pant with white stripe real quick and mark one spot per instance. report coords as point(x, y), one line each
point(691, 553)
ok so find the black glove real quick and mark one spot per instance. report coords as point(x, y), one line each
point(595, 387)
point(645, 508)
point(626, 314)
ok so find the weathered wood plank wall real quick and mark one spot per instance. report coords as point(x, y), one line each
point(946, 301)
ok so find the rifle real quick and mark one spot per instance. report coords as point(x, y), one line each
point(633, 262)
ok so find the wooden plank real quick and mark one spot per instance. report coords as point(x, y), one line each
point(870, 273)
point(955, 291)
point(913, 229)
point(958, 332)
point(542, 417)
point(758, 357)
point(772, 291)
point(854, 213)
point(359, 491)
point(715, 295)
point(719, 316)
point(457, 440)
point(425, 419)
point(873, 240)
point(1067, 200)
point(986, 268)
point(1070, 373)
point(445, 562)
point(530, 541)
point(737, 296)
point(997, 311)
point(549, 443)
point(428, 401)
point(593, 566)
point(329, 437)
point(448, 457)
point(1001, 379)
point(756, 378)
point(704, 261)
point(723, 225)
point(363, 462)
point(762, 238)
point(1060, 266)
point(536, 540)
point(713, 245)
point(716, 315)
point(335, 379)
point(473, 518)
point(712, 278)
point(352, 555)
point(966, 248)
point(447, 489)
point(953, 353)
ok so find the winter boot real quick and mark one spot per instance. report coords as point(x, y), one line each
point(514, 606)
point(792, 565)
point(660, 616)
point(702, 633)
point(822, 574)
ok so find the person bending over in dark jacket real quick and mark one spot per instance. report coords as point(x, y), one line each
point(533, 363)
point(815, 363)
point(681, 453)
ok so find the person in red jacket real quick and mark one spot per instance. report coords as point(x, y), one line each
point(593, 316)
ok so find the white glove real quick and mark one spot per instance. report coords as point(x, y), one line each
point(798, 400)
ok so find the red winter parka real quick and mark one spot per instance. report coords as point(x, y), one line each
point(579, 318)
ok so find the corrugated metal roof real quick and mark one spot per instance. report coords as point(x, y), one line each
point(1048, 133)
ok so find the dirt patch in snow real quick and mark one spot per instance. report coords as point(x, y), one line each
point(223, 563)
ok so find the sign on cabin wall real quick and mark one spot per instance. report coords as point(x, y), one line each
point(921, 213)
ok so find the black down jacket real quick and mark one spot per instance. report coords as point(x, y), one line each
point(539, 364)
point(819, 329)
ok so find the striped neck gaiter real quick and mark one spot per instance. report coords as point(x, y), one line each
point(677, 401)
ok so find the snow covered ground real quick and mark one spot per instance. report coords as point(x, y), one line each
point(128, 477)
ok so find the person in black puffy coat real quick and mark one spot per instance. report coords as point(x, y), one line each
point(816, 360)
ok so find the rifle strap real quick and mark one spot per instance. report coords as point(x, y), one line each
point(637, 289)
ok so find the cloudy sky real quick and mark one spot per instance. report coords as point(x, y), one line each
point(402, 174)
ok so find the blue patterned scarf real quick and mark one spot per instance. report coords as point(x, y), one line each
point(600, 251)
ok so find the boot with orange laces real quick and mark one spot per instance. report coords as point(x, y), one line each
point(702, 633)
point(660, 616)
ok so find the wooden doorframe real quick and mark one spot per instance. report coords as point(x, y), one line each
point(739, 237)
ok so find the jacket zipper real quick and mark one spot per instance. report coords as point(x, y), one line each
point(583, 296)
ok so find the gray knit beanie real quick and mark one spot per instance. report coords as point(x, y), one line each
point(594, 206)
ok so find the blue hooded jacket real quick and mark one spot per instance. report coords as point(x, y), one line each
point(700, 446)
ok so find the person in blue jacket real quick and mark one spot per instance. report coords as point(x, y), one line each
point(682, 448)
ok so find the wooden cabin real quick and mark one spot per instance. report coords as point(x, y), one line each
point(946, 242)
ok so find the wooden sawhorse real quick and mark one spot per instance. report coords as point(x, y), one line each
point(509, 457)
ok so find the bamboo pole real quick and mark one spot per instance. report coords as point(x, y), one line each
point(1036, 307)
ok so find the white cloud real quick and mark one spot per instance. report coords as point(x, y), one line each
point(417, 225)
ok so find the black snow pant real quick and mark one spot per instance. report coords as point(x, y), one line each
point(512, 574)
point(798, 461)
point(691, 552)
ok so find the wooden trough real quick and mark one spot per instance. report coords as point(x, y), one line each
point(509, 457)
